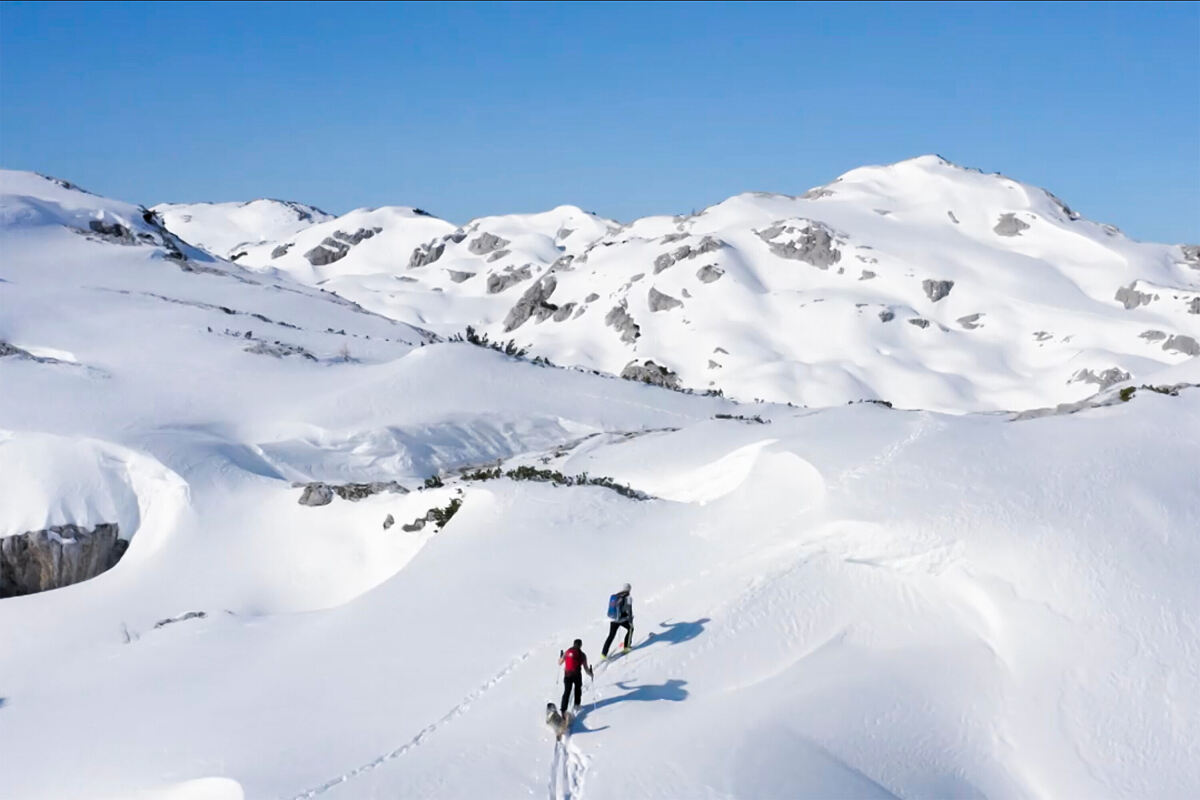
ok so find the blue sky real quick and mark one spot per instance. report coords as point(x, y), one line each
point(626, 109)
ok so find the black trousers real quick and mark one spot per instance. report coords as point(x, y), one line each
point(571, 680)
point(612, 631)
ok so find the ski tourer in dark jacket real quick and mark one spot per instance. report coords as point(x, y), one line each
point(621, 617)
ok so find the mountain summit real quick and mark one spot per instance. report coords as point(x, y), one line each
point(921, 283)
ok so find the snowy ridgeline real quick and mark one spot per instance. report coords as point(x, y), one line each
point(348, 555)
point(920, 283)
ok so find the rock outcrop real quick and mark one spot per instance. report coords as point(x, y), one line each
point(1009, 225)
point(618, 318)
point(936, 290)
point(334, 248)
point(426, 254)
point(486, 243)
point(1105, 379)
point(662, 302)
point(37, 561)
point(809, 241)
point(1130, 297)
point(1182, 344)
point(318, 493)
point(649, 372)
point(499, 281)
point(535, 301)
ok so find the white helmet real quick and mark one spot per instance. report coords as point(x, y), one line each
point(626, 588)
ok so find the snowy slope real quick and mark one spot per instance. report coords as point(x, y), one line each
point(921, 283)
point(843, 602)
point(227, 229)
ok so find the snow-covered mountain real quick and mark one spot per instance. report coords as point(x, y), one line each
point(920, 283)
point(227, 229)
point(314, 550)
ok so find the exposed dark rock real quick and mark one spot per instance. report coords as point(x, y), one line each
point(499, 281)
point(1105, 379)
point(953, 218)
point(887, 315)
point(662, 302)
point(388, 521)
point(358, 491)
point(619, 319)
point(534, 301)
point(936, 290)
point(1062, 207)
point(316, 494)
point(327, 252)
point(720, 350)
point(817, 193)
point(591, 298)
point(278, 349)
point(1191, 255)
point(1182, 344)
point(920, 323)
point(713, 365)
point(686, 294)
point(1132, 298)
point(486, 243)
point(649, 372)
point(1042, 336)
point(706, 244)
point(426, 254)
point(810, 242)
point(1152, 335)
point(671, 238)
point(883, 212)
point(563, 233)
point(37, 561)
point(866, 275)
point(1009, 225)
point(970, 321)
point(563, 312)
point(319, 493)
point(637, 277)
point(1194, 306)
point(112, 231)
point(496, 256)
point(459, 277)
point(162, 623)
point(563, 263)
point(360, 235)
point(709, 273)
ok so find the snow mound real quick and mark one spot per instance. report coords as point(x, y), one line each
point(225, 229)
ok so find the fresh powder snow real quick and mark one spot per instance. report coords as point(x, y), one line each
point(919, 519)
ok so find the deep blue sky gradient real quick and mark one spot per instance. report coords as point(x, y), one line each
point(626, 109)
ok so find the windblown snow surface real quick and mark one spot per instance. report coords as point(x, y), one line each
point(832, 600)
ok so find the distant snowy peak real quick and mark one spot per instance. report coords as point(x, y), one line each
point(921, 283)
point(225, 228)
point(33, 200)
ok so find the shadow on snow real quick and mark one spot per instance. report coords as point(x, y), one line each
point(675, 633)
point(672, 691)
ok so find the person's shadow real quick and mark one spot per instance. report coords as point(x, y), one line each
point(671, 691)
point(675, 633)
